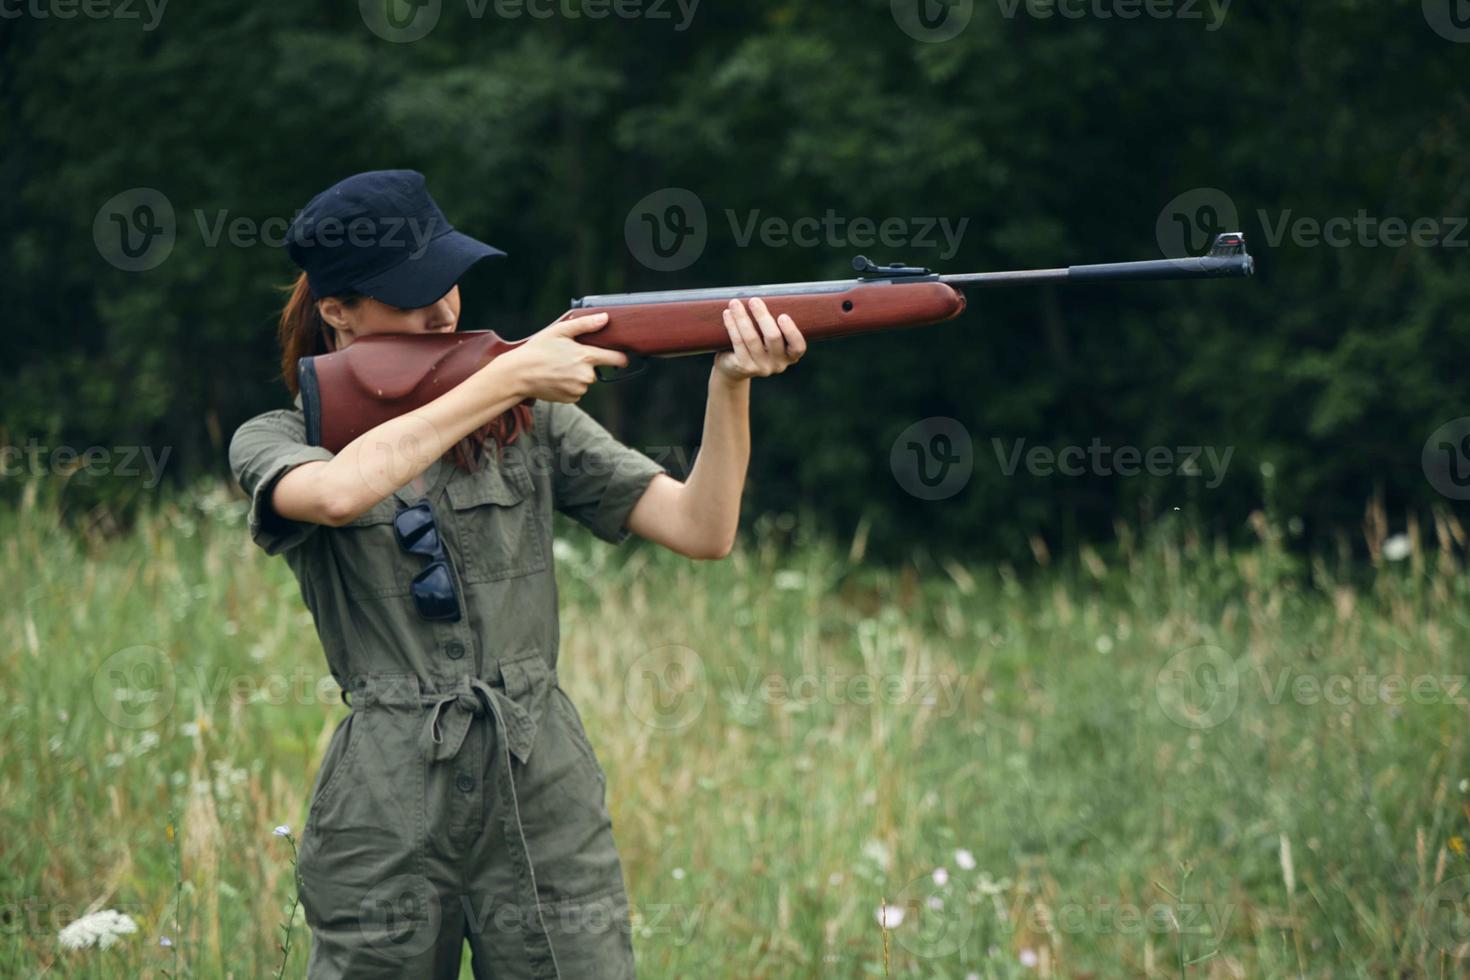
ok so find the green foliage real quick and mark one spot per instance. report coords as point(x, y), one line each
point(1059, 140)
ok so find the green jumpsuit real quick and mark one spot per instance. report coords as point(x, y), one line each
point(459, 797)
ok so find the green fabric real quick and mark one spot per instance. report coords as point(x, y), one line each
point(459, 797)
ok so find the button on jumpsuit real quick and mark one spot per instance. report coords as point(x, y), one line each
point(459, 797)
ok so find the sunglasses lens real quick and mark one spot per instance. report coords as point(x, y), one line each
point(416, 530)
point(433, 593)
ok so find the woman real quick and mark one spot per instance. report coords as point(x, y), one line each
point(459, 799)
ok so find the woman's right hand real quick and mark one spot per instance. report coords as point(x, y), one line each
point(552, 366)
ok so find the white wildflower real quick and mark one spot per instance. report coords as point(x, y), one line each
point(890, 916)
point(1397, 548)
point(100, 929)
point(964, 859)
point(789, 581)
point(941, 877)
point(284, 830)
point(1029, 959)
point(876, 852)
point(935, 903)
point(678, 874)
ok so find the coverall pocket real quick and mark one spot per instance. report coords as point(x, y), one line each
point(578, 732)
point(372, 564)
point(498, 527)
point(362, 851)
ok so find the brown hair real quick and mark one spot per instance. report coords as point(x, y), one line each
point(303, 333)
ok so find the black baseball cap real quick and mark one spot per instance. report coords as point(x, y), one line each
point(380, 234)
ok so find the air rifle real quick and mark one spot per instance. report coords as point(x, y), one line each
point(382, 376)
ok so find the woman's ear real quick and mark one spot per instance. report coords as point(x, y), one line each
point(332, 311)
point(334, 316)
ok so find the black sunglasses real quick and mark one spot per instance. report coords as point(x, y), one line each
point(432, 589)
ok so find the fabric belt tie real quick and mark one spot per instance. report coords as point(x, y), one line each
point(444, 738)
point(516, 731)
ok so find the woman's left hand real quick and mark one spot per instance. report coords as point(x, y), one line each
point(763, 345)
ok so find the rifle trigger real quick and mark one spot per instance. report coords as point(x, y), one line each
point(637, 364)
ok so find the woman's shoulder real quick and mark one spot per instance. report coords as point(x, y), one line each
point(278, 425)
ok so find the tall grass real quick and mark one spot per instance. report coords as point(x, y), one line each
point(1167, 759)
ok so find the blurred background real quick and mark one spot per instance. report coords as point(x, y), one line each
point(1103, 631)
point(987, 136)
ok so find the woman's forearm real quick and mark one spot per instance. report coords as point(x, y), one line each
point(388, 456)
point(712, 491)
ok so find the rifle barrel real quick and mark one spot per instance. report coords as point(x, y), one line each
point(1205, 267)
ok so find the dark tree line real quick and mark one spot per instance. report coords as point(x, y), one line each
point(803, 131)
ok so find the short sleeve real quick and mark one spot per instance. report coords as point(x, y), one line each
point(595, 479)
point(261, 452)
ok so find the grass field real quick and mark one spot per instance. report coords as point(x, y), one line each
point(1162, 760)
